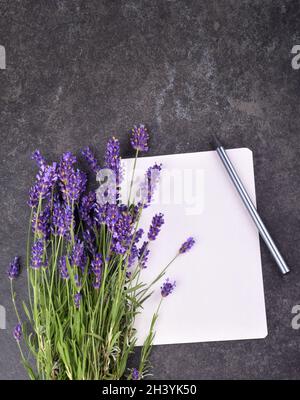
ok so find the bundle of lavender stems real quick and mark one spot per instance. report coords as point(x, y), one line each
point(85, 259)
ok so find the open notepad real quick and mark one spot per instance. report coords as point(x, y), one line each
point(219, 287)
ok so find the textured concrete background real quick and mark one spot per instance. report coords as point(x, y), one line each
point(80, 71)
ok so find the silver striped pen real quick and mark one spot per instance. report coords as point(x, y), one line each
point(250, 207)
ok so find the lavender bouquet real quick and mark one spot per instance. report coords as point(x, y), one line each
point(85, 258)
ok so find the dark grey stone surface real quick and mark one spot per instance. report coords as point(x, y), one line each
point(80, 71)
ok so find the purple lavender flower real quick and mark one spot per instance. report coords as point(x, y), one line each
point(187, 245)
point(122, 233)
point(134, 252)
point(42, 188)
point(65, 167)
point(111, 215)
point(78, 256)
point(167, 288)
point(139, 138)
point(75, 186)
point(90, 158)
point(87, 204)
point(107, 214)
point(157, 222)
point(63, 269)
point(96, 266)
point(37, 255)
point(149, 185)
point(112, 158)
point(41, 222)
point(77, 299)
point(14, 268)
point(143, 255)
point(40, 160)
point(89, 240)
point(17, 332)
point(62, 218)
point(72, 183)
point(138, 235)
point(135, 375)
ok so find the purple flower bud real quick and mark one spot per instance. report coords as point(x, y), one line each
point(77, 300)
point(187, 245)
point(150, 183)
point(40, 160)
point(138, 234)
point(42, 188)
point(143, 255)
point(63, 269)
point(122, 232)
point(96, 266)
point(132, 255)
point(157, 222)
point(135, 375)
point(62, 218)
point(72, 183)
point(90, 158)
point(167, 288)
point(111, 215)
point(41, 223)
point(78, 256)
point(89, 241)
point(112, 158)
point(37, 255)
point(139, 138)
point(17, 332)
point(65, 167)
point(87, 204)
point(74, 186)
point(14, 268)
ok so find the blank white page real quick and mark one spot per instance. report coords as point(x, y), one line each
point(219, 287)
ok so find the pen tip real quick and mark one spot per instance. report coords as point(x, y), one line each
point(215, 142)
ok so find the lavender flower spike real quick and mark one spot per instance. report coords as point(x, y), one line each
point(135, 375)
point(62, 218)
point(96, 265)
point(143, 255)
point(112, 158)
point(187, 245)
point(90, 158)
point(17, 333)
point(139, 138)
point(37, 255)
point(40, 222)
point(87, 204)
point(63, 269)
point(149, 184)
point(77, 300)
point(78, 256)
point(157, 222)
point(42, 188)
point(72, 183)
point(40, 160)
point(167, 288)
point(14, 268)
